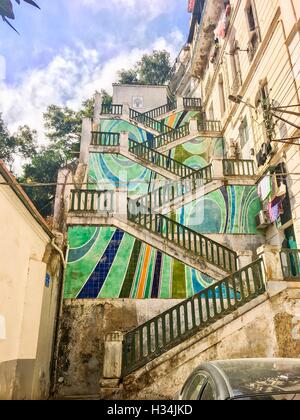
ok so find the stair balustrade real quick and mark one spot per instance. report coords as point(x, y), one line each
point(172, 327)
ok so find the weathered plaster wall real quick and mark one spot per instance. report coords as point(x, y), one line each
point(27, 302)
point(265, 330)
point(84, 324)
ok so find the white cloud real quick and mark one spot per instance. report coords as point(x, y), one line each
point(148, 9)
point(68, 79)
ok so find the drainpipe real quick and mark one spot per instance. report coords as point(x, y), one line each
point(54, 358)
point(60, 252)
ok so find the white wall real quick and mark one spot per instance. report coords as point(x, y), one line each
point(151, 96)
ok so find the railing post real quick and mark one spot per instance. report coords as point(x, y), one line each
point(272, 262)
point(124, 141)
point(244, 258)
point(180, 102)
point(86, 139)
point(217, 169)
point(112, 367)
point(193, 126)
point(97, 111)
point(126, 110)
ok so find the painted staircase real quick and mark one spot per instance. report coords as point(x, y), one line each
point(95, 208)
point(169, 329)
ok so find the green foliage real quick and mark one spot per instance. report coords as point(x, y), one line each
point(128, 77)
point(43, 168)
point(152, 69)
point(23, 143)
point(7, 10)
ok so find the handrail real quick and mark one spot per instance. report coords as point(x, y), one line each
point(148, 121)
point(169, 137)
point(184, 237)
point(237, 167)
point(173, 190)
point(100, 138)
point(161, 110)
point(192, 103)
point(152, 156)
point(92, 201)
point(169, 329)
point(111, 109)
point(290, 263)
point(213, 126)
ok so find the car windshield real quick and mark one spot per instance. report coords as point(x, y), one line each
point(260, 377)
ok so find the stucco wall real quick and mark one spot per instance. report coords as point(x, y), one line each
point(83, 326)
point(27, 306)
point(153, 96)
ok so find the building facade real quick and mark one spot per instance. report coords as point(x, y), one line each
point(184, 216)
point(30, 282)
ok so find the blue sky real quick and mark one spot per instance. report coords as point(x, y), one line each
point(72, 47)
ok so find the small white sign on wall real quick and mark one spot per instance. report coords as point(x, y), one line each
point(2, 328)
point(138, 102)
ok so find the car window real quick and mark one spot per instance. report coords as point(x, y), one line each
point(194, 387)
point(209, 393)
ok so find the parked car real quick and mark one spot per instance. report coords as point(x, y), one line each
point(247, 379)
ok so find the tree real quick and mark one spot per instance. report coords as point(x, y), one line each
point(128, 77)
point(43, 169)
point(152, 69)
point(7, 10)
point(23, 143)
point(63, 126)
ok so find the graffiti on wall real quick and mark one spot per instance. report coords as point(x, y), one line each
point(180, 118)
point(230, 210)
point(110, 171)
point(105, 262)
point(198, 152)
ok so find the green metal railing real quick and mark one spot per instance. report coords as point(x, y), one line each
point(192, 104)
point(105, 139)
point(173, 190)
point(290, 263)
point(148, 121)
point(210, 126)
point(112, 109)
point(169, 137)
point(152, 156)
point(184, 237)
point(161, 110)
point(92, 201)
point(169, 329)
point(232, 167)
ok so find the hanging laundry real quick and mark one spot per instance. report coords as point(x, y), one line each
point(265, 187)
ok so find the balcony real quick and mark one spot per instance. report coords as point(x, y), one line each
point(290, 263)
point(112, 110)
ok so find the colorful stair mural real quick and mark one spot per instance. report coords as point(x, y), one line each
point(105, 262)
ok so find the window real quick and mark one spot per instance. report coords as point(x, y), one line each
point(211, 112)
point(251, 17)
point(235, 68)
point(244, 133)
point(194, 387)
point(253, 28)
point(222, 95)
